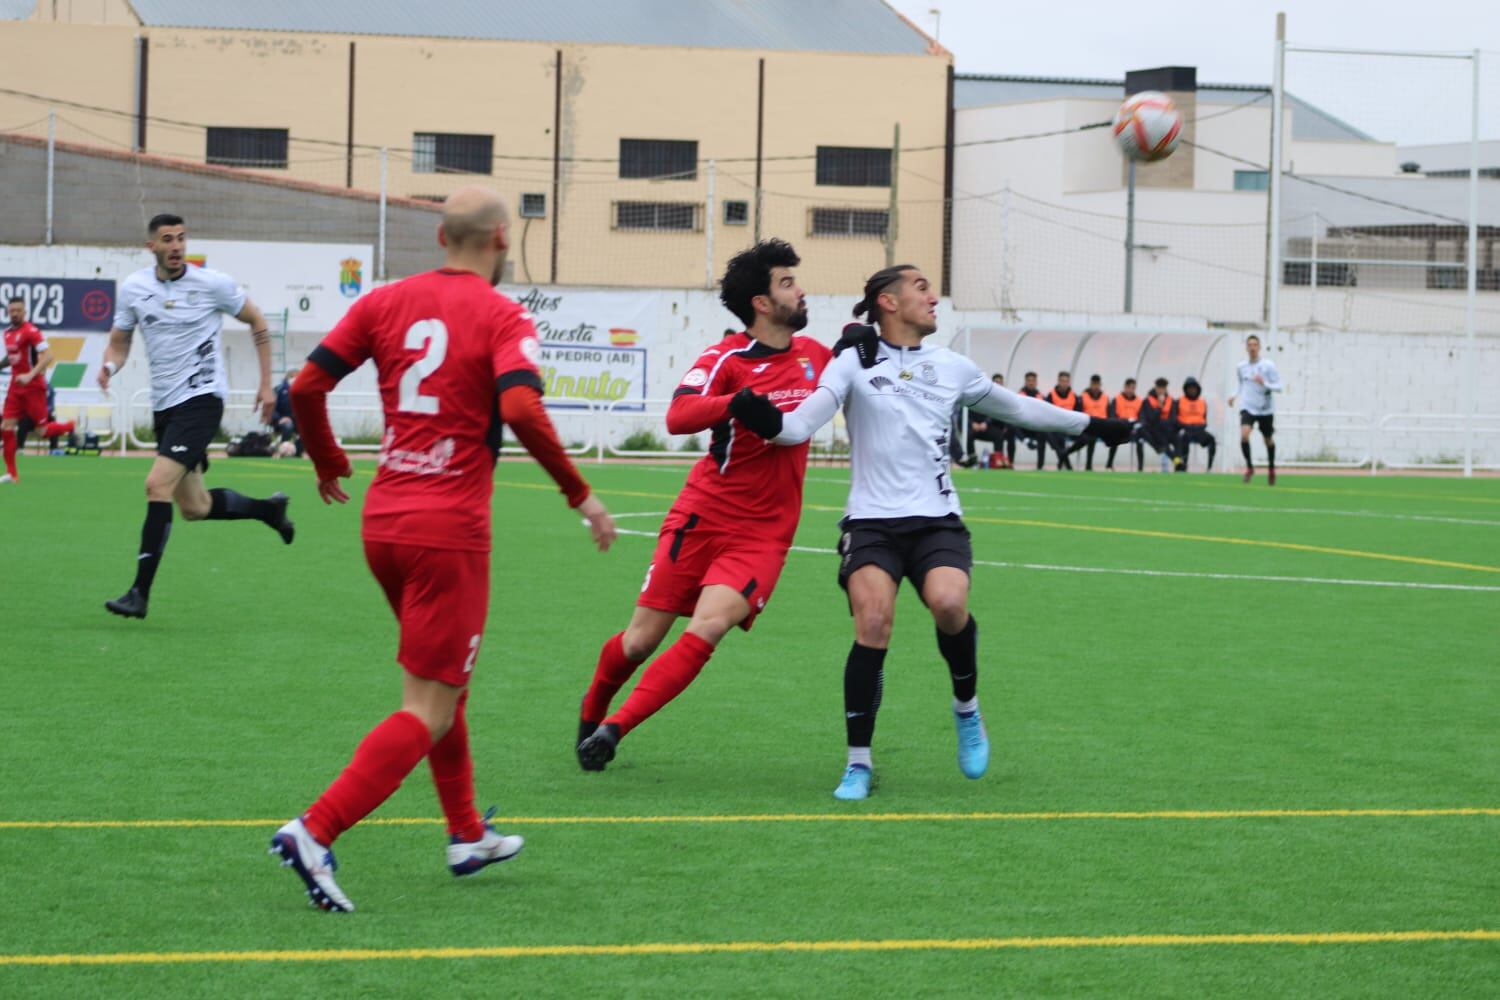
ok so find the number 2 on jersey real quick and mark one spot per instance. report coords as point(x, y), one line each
point(433, 335)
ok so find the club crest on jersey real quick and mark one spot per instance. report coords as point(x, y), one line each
point(807, 369)
point(928, 373)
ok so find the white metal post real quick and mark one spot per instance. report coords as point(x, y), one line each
point(380, 247)
point(51, 167)
point(1312, 295)
point(1130, 237)
point(708, 229)
point(1470, 396)
point(1273, 178)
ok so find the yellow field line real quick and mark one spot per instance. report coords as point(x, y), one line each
point(1231, 540)
point(847, 817)
point(751, 947)
point(1135, 532)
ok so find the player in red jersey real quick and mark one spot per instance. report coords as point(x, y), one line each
point(446, 345)
point(722, 545)
point(28, 357)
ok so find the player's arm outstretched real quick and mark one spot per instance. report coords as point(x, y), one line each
point(309, 395)
point(1000, 403)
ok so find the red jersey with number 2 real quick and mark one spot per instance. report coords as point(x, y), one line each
point(445, 344)
point(745, 483)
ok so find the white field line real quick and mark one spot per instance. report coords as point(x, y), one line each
point(1223, 508)
point(1180, 574)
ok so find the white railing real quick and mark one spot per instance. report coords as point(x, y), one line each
point(1455, 424)
point(1292, 421)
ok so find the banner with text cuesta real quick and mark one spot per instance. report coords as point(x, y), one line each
point(594, 343)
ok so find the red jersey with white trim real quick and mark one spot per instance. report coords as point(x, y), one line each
point(745, 483)
point(445, 344)
point(23, 344)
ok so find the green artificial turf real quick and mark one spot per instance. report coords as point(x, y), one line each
point(261, 666)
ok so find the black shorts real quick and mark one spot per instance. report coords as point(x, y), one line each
point(905, 547)
point(184, 431)
point(1267, 422)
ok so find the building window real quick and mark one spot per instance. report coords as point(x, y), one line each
point(679, 216)
point(853, 166)
point(849, 222)
point(1251, 180)
point(262, 148)
point(449, 153)
point(659, 159)
point(736, 213)
point(1329, 275)
point(533, 205)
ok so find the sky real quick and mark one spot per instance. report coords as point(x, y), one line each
point(1231, 41)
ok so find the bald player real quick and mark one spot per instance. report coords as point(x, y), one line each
point(454, 358)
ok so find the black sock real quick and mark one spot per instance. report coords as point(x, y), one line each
point(1271, 456)
point(1245, 450)
point(962, 653)
point(154, 533)
point(864, 682)
point(231, 506)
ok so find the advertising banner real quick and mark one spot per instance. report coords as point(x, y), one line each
point(594, 343)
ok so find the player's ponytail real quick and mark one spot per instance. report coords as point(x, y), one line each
point(878, 282)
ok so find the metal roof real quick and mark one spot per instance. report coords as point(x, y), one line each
point(795, 25)
point(1309, 124)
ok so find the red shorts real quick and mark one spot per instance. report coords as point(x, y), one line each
point(26, 401)
point(441, 598)
point(690, 556)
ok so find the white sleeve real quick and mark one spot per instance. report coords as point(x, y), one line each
point(805, 421)
point(1032, 414)
point(976, 384)
point(228, 295)
point(1273, 377)
point(124, 314)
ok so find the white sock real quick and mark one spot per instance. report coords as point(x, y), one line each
point(861, 756)
point(965, 707)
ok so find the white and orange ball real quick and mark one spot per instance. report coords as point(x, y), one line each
point(1147, 126)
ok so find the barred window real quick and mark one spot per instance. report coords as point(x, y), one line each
point(849, 222)
point(452, 153)
point(854, 166)
point(662, 159)
point(736, 213)
point(681, 216)
point(261, 148)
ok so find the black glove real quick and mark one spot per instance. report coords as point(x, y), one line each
point(864, 340)
point(1110, 430)
point(756, 412)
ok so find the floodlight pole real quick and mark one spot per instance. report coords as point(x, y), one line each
point(380, 247)
point(708, 234)
point(51, 167)
point(1470, 319)
point(892, 221)
point(1130, 236)
point(1273, 178)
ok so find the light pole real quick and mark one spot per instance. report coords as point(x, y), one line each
point(937, 24)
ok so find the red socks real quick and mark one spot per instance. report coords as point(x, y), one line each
point(381, 762)
point(665, 679)
point(609, 676)
point(10, 453)
point(453, 776)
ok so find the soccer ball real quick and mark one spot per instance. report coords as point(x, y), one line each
point(1147, 126)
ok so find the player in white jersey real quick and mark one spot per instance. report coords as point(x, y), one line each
point(179, 311)
point(1258, 379)
point(903, 519)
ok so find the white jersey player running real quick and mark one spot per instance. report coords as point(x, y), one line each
point(1258, 380)
point(902, 519)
